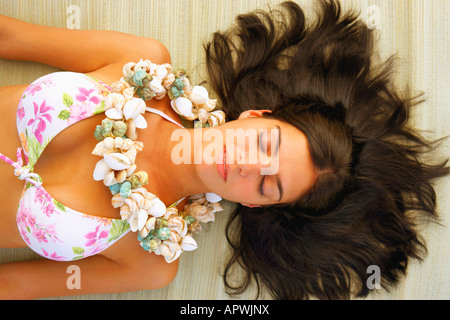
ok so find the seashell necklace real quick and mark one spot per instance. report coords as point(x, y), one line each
point(162, 230)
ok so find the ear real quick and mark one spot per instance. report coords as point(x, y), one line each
point(251, 205)
point(253, 113)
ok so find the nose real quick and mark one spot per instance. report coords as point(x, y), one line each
point(250, 163)
point(248, 169)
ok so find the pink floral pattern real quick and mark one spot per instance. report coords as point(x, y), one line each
point(51, 229)
point(38, 122)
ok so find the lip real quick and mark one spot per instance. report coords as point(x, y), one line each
point(223, 168)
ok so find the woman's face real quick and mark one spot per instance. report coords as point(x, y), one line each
point(256, 161)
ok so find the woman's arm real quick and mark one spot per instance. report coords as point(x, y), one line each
point(74, 50)
point(125, 267)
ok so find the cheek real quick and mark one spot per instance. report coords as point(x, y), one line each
point(242, 191)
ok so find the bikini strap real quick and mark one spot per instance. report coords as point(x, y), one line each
point(162, 114)
point(20, 171)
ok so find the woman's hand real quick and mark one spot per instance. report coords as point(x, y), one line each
point(74, 50)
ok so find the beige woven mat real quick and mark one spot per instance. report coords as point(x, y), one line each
point(418, 31)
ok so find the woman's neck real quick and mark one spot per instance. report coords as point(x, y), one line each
point(174, 181)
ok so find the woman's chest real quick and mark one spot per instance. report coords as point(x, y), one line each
point(67, 165)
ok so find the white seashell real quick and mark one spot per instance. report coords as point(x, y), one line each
point(133, 108)
point(196, 196)
point(188, 243)
point(167, 66)
point(144, 232)
point(99, 149)
point(182, 106)
point(217, 207)
point(109, 179)
point(117, 201)
point(114, 114)
point(169, 80)
point(213, 121)
point(199, 95)
point(128, 94)
point(131, 170)
point(203, 115)
point(174, 257)
point(158, 209)
point(132, 205)
point(128, 69)
point(176, 224)
point(125, 212)
point(200, 212)
point(138, 198)
point(161, 72)
point(197, 210)
point(124, 83)
point(138, 145)
point(170, 213)
point(143, 192)
point(191, 117)
point(155, 85)
point(161, 95)
point(121, 176)
point(169, 255)
point(209, 105)
point(117, 161)
point(131, 155)
point(117, 86)
point(133, 221)
point(147, 204)
point(172, 245)
point(127, 144)
point(143, 65)
point(187, 88)
point(118, 100)
point(216, 118)
point(108, 143)
point(153, 68)
point(118, 142)
point(212, 197)
point(131, 130)
point(200, 200)
point(175, 237)
point(140, 122)
point(100, 171)
point(185, 229)
point(142, 218)
point(150, 224)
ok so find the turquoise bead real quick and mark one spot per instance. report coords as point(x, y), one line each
point(125, 189)
point(180, 84)
point(139, 76)
point(115, 188)
point(163, 233)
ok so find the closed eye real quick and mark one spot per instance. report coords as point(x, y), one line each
point(261, 187)
point(261, 144)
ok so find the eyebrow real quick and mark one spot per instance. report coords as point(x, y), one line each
point(277, 177)
point(277, 147)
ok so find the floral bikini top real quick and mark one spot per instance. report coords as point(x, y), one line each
point(49, 105)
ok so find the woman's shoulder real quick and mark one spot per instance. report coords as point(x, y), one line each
point(145, 49)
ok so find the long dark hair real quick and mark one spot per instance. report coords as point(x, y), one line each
point(371, 182)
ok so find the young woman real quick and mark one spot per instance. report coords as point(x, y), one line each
point(349, 173)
